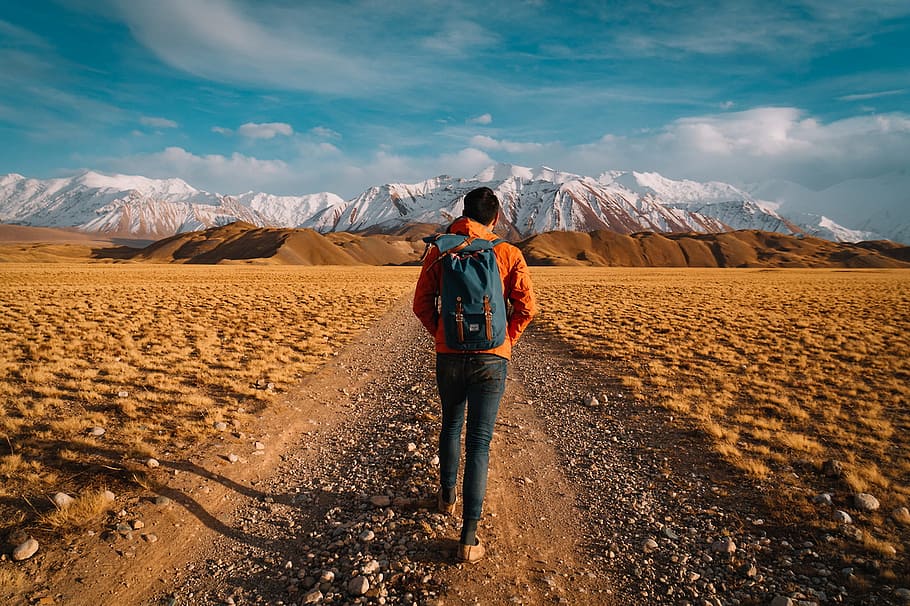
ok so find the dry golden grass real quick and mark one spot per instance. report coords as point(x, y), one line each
point(778, 368)
point(11, 579)
point(155, 355)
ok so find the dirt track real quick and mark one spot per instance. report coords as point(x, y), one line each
point(577, 488)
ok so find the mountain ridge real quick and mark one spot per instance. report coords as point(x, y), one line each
point(534, 201)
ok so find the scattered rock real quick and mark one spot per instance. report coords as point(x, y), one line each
point(725, 545)
point(62, 500)
point(138, 524)
point(109, 496)
point(162, 500)
point(123, 394)
point(842, 517)
point(150, 537)
point(233, 458)
point(591, 401)
point(16, 537)
point(366, 536)
point(901, 515)
point(25, 550)
point(259, 446)
point(371, 567)
point(381, 500)
point(359, 585)
point(221, 426)
point(152, 462)
point(95, 432)
point(823, 499)
point(902, 593)
point(649, 546)
point(313, 597)
point(865, 502)
point(782, 601)
point(327, 576)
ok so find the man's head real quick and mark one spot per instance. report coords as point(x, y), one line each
point(482, 205)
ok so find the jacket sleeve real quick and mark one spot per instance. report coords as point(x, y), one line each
point(427, 291)
point(520, 294)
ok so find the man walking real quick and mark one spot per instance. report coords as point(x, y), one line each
point(472, 381)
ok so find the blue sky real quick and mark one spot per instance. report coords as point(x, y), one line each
point(299, 97)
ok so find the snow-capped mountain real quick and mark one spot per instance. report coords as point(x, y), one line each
point(875, 207)
point(142, 207)
point(534, 201)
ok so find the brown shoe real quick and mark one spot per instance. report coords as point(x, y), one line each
point(443, 507)
point(471, 553)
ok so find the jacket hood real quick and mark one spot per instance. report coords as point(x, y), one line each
point(469, 227)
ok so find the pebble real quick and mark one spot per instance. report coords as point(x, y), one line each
point(138, 524)
point(62, 500)
point(259, 446)
point(366, 536)
point(95, 432)
point(25, 550)
point(865, 502)
point(359, 585)
point(842, 517)
point(109, 496)
point(233, 458)
point(725, 545)
point(381, 500)
point(823, 499)
point(221, 426)
point(649, 546)
point(313, 597)
point(162, 500)
point(150, 537)
point(901, 515)
point(152, 462)
point(902, 593)
point(123, 394)
point(371, 567)
point(781, 600)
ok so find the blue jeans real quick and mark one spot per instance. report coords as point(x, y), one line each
point(475, 382)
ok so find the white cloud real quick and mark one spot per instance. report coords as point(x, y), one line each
point(459, 37)
point(222, 131)
point(865, 96)
point(264, 44)
point(215, 172)
point(756, 145)
point(490, 143)
point(325, 132)
point(155, 122)
point(481, 119)
point(267, 130)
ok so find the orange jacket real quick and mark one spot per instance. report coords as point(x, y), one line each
point(516, 287)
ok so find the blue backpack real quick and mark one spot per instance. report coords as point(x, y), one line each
point(472, 306)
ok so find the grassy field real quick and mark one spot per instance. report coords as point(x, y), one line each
point(782, 369)
point(779, 368)
point(155, 356)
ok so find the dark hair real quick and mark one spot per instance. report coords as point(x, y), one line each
point(482, 205)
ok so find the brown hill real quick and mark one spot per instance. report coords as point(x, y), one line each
point(245, 243)
point(745, 248)
point(27, 244)
point(241, 242)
